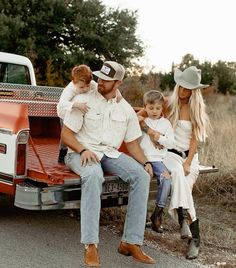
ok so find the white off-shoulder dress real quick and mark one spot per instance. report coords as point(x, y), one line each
point(181, 192)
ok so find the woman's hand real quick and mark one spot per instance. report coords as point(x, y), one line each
point(87, 157)
point(154, 137)
point(186, 167)
point(152, 134)
point(140, 118)
point(119, 97)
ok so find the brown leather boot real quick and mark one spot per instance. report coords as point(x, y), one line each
point(136, 252)
point(91, 256)
point(156, 220)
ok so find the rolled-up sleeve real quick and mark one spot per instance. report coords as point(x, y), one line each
point(65, 104)
point(133, 128)
point(73, 120)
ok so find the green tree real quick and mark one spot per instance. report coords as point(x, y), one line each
point(57, 34)
point(225, 73)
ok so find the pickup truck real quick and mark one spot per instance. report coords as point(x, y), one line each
point(29, 147)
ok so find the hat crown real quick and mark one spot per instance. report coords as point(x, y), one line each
point(192, 75)
point(190, 78)
point(111, 70)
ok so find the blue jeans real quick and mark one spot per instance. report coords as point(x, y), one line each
point(92, 178)
point(164, 184)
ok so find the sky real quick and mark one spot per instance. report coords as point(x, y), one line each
point(171, 29)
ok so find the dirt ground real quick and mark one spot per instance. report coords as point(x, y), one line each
point(217, 226)
point(218, 236)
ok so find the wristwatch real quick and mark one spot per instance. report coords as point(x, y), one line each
point(145, 128)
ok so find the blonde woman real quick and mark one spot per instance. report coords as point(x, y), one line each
point(185, 109)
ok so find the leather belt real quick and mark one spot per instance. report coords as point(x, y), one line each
point(183, 154)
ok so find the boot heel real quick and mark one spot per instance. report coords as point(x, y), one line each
point(185, 231)
point(124, 252)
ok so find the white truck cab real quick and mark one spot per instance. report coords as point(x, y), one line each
point(16, 69)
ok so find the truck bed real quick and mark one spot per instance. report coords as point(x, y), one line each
point(42, 162)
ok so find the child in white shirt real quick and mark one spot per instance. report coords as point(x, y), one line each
point(153, 105)
point(81, 83)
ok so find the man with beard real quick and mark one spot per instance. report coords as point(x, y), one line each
point(93, 140)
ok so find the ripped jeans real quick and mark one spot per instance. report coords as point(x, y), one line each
point(164, 187)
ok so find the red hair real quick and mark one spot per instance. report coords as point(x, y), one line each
point(81, 73)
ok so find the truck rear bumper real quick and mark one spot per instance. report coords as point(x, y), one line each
point(31, 196)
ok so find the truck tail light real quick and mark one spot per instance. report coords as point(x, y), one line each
point(21, 159)
point(22, 141)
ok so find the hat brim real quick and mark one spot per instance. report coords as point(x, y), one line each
point(178, 80)
point(103, 76)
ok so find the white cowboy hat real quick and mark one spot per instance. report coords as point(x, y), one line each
point(190, 78)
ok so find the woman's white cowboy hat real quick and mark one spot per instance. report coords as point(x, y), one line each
point(190, 78)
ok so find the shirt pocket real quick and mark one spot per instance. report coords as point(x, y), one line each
point(119, 125)
point(92, 121)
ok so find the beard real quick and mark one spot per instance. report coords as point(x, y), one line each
point(105, 90)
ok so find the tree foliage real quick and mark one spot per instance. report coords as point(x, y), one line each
point(58, 34)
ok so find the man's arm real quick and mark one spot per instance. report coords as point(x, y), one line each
point(136, 152)
point(68, 137)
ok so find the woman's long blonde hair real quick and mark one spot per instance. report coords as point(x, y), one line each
point(197, 108)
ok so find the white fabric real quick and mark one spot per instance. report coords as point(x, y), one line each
point(70, 91)
point(105, 126)
point(181, 195)
point(166, 139)
point(183, 134)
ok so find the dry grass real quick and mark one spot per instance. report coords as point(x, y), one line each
point(220, 150)
point(220, 147)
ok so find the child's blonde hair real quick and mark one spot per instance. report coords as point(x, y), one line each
point(153, 96)
point(197, 108)
point(81, 73)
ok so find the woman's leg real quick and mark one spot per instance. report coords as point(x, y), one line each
point(182, 198)
point(181, 192)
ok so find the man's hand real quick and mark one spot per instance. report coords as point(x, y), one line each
point(87, 157)
point(149, 169)
point(82, 106)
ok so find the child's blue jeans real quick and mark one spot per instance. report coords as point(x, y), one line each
point(164, 187)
